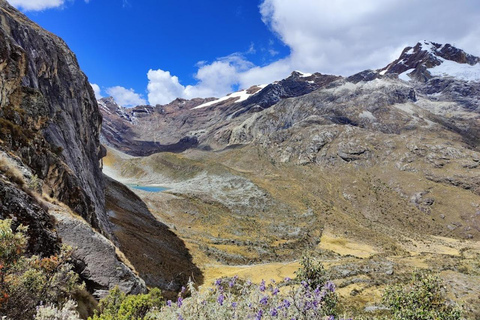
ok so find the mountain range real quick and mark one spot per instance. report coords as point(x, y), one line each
point(377, 173)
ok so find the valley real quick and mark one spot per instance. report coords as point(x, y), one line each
point(376, 175)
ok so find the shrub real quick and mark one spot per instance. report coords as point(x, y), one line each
point(27, 282)
point(118, 306)
point(423, 299)
point(51, 312)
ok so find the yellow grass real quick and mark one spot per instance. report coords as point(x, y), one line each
point(345, 246)
point(277, 271)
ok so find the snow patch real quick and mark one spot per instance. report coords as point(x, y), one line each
point(403, 76)
point(240, 95)
point(410, 51)
point(461, 71)
point(304, 74)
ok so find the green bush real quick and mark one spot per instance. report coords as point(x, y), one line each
point(119, 306)
point(422, 299)
point(27, 282)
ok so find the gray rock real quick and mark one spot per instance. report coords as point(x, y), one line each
point(97, 261)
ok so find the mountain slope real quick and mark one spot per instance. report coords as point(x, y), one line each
point(378, 174)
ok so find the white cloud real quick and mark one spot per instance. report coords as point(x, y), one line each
point(97, 91)
point(36, 5)
point(126, 97)
point(347, 36)
point(337, 37)
point(214, 80)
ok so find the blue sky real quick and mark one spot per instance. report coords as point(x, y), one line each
point(152, 51)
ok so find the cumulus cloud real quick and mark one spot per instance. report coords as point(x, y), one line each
point(338, 37)
point(97, 91)
point(214, 80)
point(126, 97)
point(37, 5)
point(346, 36)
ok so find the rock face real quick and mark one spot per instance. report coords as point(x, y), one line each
point(49, 114)
point(50, 151)
point(159, 256)
point(96, 258)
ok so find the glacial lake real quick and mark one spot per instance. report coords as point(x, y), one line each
point(147, 188)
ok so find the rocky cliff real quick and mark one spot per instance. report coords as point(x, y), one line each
point(50, 152)
point(49, 113)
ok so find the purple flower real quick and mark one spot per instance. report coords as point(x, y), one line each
point(179, 302)
point(183, 290)
point(169, 303)
point(287, 279)
point(273, 312)
point(286, 303)
point(264, 300)
point(275, 291)
point(305, 284)
point(220, 299)
point(180, 317)
point(259, 315)
point(234, 304)
point(330, 286)
point(218, 282)
point(262, 286)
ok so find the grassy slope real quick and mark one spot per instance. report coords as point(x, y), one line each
point(361, 220)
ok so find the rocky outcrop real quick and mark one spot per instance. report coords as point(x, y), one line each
point(50, 152)
point(49, 116)
point(96, 258)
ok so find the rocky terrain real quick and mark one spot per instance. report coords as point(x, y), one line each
point(378, 172)
point(50, 165)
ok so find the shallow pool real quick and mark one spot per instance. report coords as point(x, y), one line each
point(147, 188)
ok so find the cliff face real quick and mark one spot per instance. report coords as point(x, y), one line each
point(50, 152)
point(49, 115)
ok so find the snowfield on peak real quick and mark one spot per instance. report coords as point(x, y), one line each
point(241, 95)
point(461, 71)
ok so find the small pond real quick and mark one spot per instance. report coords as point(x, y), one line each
point(147, 188)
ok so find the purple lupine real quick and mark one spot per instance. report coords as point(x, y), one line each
point(220, 299)
point(275, 291)
point(274, 312)
point(183, 290)
point(259, 315)
point(234, 304)
point(264, 300)
point(218, 282)
point(179, 302)
point(262, 286)
point(287, 279)
point(286, 303)
point(169, 303)
point(305, 284)
point(330, 286)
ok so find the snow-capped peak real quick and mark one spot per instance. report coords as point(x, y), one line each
point(240, 96)
point(427, 59)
